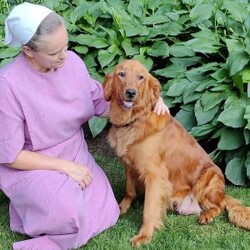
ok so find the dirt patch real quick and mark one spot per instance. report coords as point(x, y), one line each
point(100, 143)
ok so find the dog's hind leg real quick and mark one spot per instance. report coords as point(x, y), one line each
point(209, 191)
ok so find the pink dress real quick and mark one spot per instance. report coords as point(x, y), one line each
point(43, 112)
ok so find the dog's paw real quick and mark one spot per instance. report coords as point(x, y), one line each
point(124, 206)
point(205, 218)
point(140, 239)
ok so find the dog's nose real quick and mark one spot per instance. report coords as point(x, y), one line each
point(130, 93)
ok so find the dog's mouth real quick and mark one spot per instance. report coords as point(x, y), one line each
point(127, 104)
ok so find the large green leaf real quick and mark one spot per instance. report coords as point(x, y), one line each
point(200, 13)
point(231, 139)
point(237, 61)
point(233, 117)
point(9, 52)
point(237, 10)
point(186, 61)
point(189, 94)
point(159, 49)
point(202, 131)
point(236, 171)
point(97, 125)
point(105, 57)
point(91, 41)
point(186, 118)
point(181, 50)
point(177, 87)
point(204, 116)
point(247, 116)
point(210, 100)
point(171, 71)
point(129, 49)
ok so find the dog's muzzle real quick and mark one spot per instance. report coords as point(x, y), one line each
point(130, 96)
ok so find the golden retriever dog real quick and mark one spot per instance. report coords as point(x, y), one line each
point(161, 158)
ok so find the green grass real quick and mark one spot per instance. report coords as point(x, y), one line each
point(180, 232)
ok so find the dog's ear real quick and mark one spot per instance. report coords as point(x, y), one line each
point(107, 86)
point(155, 87)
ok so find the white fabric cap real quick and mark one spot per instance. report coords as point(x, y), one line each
point(22, 23)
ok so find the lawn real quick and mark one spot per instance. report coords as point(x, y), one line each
point(180, 233)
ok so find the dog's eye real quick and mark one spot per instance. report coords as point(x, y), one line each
point(140, 77)
point(122, 74)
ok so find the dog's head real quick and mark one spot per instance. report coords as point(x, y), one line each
point(131, 84)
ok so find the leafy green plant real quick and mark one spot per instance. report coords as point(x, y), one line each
point(198, 49)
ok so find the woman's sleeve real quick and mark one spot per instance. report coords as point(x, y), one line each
point(11, 124)
point(100, 105)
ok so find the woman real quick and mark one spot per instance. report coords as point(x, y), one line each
point(58, 194)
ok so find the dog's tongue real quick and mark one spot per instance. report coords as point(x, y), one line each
point(127, 104)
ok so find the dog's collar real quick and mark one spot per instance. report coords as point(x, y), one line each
point(125, 125)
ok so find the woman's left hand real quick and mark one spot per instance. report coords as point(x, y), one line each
point(160, 107)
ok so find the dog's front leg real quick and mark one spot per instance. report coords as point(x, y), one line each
point(157, 193)
point(130, 191)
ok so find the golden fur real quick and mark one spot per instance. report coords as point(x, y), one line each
point(160, 157)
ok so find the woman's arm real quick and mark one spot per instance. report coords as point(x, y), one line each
point(27, 160)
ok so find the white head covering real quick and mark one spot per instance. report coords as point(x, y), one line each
point(22, 23)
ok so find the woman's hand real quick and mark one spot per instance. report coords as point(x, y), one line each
point(79, 173)
point(27, 160)
point(160, 107)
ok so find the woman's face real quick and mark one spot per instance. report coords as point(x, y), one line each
point(52, 52)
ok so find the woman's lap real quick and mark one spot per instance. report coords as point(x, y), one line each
point(52, 204)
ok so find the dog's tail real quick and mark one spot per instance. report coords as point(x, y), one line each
point(238, 214)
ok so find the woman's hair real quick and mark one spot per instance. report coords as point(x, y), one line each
point(46, 27)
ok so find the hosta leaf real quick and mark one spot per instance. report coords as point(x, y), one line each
point(9, 52)
point(234, 45)
point(189, 94)
point(233, 117)
point(186, 62)
point(247, 116)
point(236, 171)
point(171, 71)
point(201, 131)
point(91, 41)
point(134, 30)
point(246, 134)
point(180, 50)
point(202, 45)
point(81, 49)
point(205, 84)
point(211, 99)
point(147, 61)
point(231, 139)
point(136, 7)
point(200, 12)
point(159, 49)
point(129, 49)
point(237, 10)
point(186, 118)
point(236, 101)
point(105, 57)
point(220, 75)
point(203, 116)
point(237, 61)
point(177, 87)
point(96, 125)
point(152, 20)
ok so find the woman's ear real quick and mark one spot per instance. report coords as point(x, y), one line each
point(107, 86)
point(27, 51)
